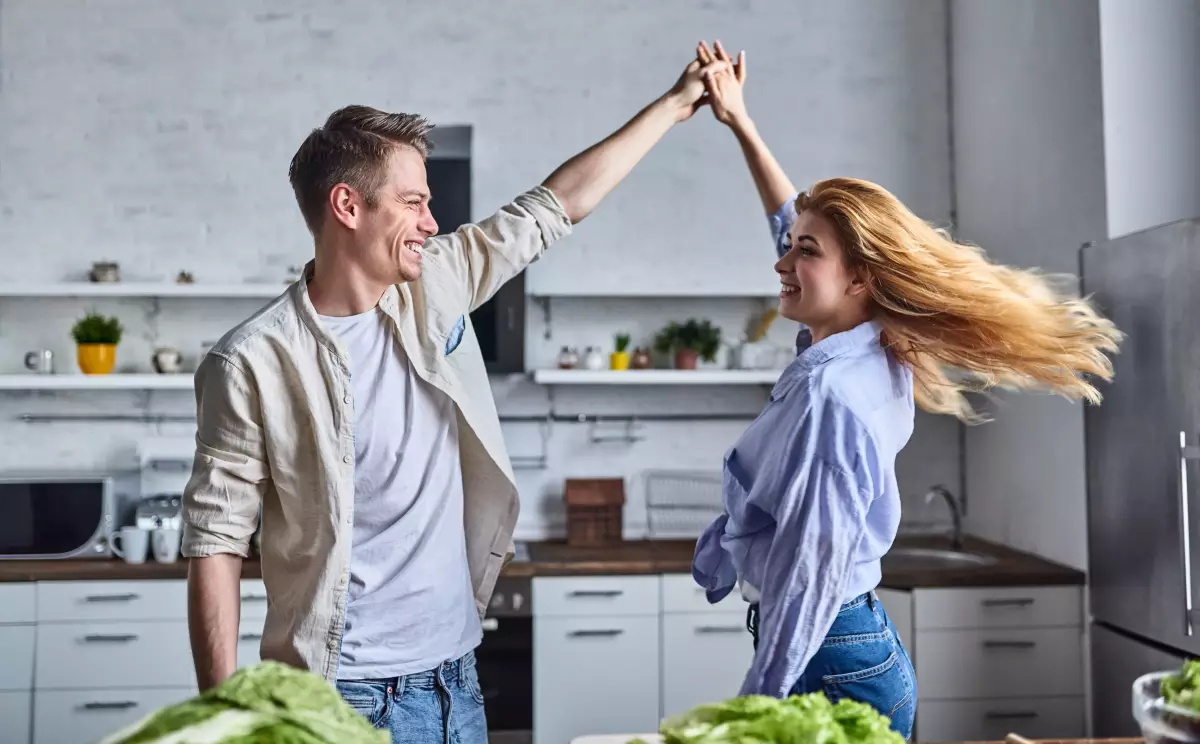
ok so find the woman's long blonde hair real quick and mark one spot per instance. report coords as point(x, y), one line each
point(945, 307)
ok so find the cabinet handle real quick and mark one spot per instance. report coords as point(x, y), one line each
point(110, 638)
point(595, 633)
point(720, 629)
point(250, 637)
point(254, 598)
point(1014, 602)
point(119, 705)
point(111, 597)
point(1009, 644)
point(596, 593)
point(1004, 715)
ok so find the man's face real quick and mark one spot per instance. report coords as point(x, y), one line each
point(391, 234)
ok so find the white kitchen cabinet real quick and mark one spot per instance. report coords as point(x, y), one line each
point(83, 716)
point(574, 596)
point(595, 656)
point(993, 720)
point(113, 655)
point(90, 601)
point(16, 717)
point(991, 661)
point(18, 603)
point(899, 607)
point(16, 656)
point(705, 657)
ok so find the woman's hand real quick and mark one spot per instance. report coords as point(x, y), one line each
point(724, 83)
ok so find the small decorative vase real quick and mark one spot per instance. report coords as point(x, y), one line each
point(96, 359)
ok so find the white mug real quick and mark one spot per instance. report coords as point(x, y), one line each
point(133, 544)
point(165, 543)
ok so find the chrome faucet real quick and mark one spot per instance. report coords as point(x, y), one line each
point(955, 513)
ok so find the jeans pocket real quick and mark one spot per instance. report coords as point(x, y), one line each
point(370, 700)
point(887, 685)
point(471, 683)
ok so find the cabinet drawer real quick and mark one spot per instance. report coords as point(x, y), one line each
point(107, 655)
point(985, 664)
point(595, 595)
point(705, 659)
point(16, 657)
point(680, 594)
point(1008, 607)
point(80, 716)
point(18, 603)
point(993, 720)
point(88, 601)
point(595, 675)
point(16, 717)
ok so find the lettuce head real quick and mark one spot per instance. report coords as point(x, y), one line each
point(269, 703)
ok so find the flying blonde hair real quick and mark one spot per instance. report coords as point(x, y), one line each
point(945, 307)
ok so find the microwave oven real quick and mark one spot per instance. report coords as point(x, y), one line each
point(47, 516)
point(500, 322)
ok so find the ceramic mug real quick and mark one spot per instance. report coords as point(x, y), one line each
point(130, 543)
point(165, 543)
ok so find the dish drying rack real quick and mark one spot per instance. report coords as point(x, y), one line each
point(680, 504)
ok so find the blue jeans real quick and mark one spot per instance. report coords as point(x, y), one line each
point(441, 706)
point(862, 658)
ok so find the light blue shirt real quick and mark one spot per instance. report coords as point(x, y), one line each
point(811, 503)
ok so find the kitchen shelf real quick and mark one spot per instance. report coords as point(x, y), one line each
point(113, 381)
point(657, 377)
point(143, 289)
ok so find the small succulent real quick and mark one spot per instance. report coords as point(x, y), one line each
point(94, 328)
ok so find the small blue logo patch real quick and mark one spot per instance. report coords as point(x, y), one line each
point(456, 334)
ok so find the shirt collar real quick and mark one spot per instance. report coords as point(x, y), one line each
point(813, 355)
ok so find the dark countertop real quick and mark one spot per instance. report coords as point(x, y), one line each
point(639, 557)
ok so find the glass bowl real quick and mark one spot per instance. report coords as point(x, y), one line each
point(1162, 723)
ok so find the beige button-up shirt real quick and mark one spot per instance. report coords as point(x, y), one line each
point(275, 430)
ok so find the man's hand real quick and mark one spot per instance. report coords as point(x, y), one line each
point(723, 80)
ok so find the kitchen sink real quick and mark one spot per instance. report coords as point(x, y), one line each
point(910, 559)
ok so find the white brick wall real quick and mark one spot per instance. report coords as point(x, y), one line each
point(158, 135)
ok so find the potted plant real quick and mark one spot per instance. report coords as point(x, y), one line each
point(689, 342)
point(96, 339)
point(619, 359)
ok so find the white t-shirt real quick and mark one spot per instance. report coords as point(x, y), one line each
point(410, 604)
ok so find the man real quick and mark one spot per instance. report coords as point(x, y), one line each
point(354, 411)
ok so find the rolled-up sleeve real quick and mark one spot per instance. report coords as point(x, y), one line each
point(477, 259)
point(229, 471)
point(781, 223)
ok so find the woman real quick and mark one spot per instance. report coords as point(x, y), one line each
point(888, 304)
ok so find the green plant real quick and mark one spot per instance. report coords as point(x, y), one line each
point(94, 328)
point(622, 342)
point(700, 336)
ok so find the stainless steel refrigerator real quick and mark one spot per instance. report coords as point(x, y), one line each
point(1143, 466)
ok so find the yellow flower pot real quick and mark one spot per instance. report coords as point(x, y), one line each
point(618, 360)
point(97, 359)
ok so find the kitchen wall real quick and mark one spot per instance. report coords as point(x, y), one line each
point(158, 135)
point(1029, 183)
point(1151, 60)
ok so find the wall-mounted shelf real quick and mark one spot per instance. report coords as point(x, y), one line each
point(96, 382)
point(143, 289)
point(669, 293)
point(656, 377)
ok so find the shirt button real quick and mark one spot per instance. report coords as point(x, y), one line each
point(346, 399)
point(346, 458)
point(333, 644)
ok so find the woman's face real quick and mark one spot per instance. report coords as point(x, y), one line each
point(819, 289)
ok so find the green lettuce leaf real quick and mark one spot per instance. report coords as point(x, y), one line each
point(799, 719)
point(1183, 689)
point(269, 703)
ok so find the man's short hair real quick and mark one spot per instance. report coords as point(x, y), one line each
point(352, 147)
